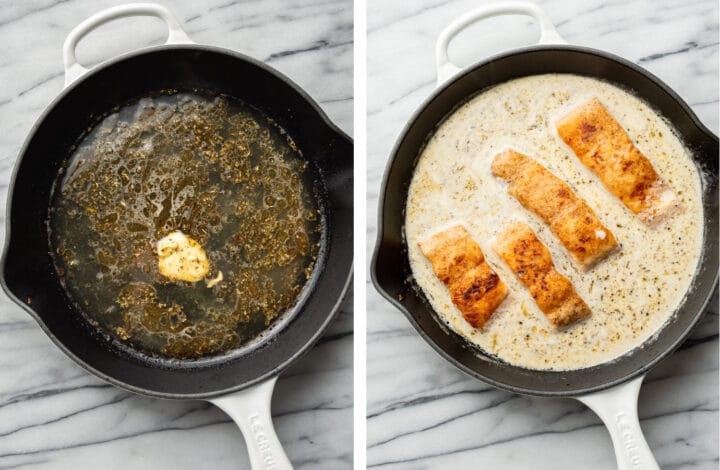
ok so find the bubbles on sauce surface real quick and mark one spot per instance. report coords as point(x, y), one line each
point(214, 169)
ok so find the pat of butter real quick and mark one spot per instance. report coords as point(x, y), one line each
point(181, 258)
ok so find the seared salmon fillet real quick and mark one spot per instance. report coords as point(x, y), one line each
point(602, 145)
point(452, 253)
point(478, 293)
point(568, 216)
point(459, 263)
point(531, 262)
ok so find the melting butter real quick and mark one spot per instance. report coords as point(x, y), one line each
point(181, 258)
point(215, 281)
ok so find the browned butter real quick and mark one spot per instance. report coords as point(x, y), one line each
point(177, 179)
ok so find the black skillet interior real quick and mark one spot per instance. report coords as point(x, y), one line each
point(29, 277)
point(390, 266)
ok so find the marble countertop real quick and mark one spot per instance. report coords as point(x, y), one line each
point(54, 415)
point(422, 412)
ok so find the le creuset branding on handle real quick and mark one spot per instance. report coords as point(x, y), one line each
point(250, 407)
point(616, 406)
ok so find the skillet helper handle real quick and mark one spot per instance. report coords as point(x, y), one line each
point(250, 409)
point(73, 70)
point(446, 69)
point(617, 407)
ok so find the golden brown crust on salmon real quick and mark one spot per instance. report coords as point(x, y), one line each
point(452, 252)
point(458, 262)
point(568, 216)
point(478, 293)
point(602, 145)
point(531, 262)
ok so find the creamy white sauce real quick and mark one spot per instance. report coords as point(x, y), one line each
point(631, 294)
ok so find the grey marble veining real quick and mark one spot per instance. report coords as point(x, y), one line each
point(54, 415)
point(422, 412)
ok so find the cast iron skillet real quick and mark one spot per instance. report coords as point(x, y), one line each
point(28, 275)
point(611, 388)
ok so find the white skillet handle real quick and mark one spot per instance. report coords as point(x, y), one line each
point(446, 69)
point(73, 70)
point(250, 409)
point(617, 407)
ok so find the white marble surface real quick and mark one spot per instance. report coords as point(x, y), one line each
point(423, 413)
point(53, 415)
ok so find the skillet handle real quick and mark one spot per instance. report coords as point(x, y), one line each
point(250, 409)
point(446, 69)
point(73, 70)
point(617, 407)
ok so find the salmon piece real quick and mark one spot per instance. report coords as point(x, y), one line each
point(459, 263)
point(602, 145)
point(478, 293)
point(452, 253)
point(551, 199)
point(531, 262)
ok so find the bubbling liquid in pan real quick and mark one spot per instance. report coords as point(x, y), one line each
point(210, 176)
point(632, 293)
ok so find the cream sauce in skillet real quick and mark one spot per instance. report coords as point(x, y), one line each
point(631, 294)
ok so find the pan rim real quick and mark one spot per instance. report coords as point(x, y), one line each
point(333, 129)
point(383, 194)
